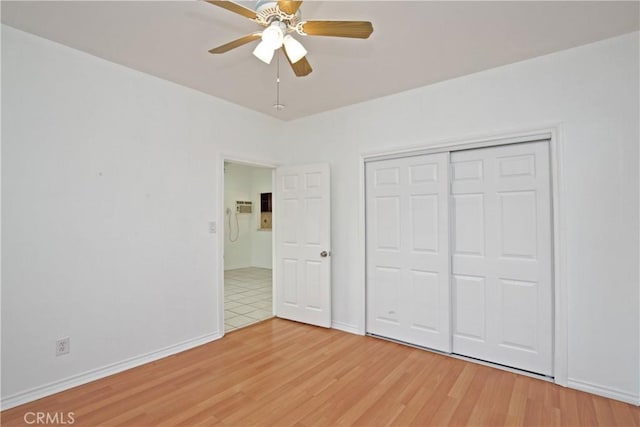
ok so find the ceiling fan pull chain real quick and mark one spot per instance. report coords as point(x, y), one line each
point(278, 106)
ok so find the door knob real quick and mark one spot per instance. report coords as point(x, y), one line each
point(324, 254)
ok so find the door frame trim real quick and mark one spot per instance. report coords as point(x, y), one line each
point(220, 216)
point(552, 133)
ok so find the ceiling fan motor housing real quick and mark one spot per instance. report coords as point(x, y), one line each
point(267, 11)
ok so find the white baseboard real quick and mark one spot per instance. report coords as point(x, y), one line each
point(600, 390)
point(95, 374)
point(345, 327)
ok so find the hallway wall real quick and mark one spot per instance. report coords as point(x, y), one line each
point(253, 246)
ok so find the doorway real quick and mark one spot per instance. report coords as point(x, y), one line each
point(248, 245)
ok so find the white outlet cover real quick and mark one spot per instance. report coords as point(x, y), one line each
point(63, 346)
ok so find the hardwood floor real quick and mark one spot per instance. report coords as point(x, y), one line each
point(284, 373)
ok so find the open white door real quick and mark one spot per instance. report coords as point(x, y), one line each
point(303, 244)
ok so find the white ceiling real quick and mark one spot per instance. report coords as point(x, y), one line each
point(414, 43)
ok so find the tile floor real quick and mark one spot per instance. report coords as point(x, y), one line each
point(247, 297)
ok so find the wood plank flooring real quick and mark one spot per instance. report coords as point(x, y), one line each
point(285, 373)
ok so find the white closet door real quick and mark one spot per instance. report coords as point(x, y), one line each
point(501, 264)
point(407, 250)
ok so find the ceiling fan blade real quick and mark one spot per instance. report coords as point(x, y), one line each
point(234, 7)
point(352, 29)
point(300, 68)
point(236, 43)
point(289, 7)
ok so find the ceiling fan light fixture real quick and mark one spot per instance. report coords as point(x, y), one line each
point(264, 52)
point(273, 35)
point(295, 50)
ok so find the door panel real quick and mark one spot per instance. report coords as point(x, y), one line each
point(407, 250)
point(302, 221)
point(425, 296)
point(289, 281)
point(469, 307)
point(425, 233)
point(501, 261)
point(518, 308)
point(468, 233)
point(517, 220)
point(387, 226)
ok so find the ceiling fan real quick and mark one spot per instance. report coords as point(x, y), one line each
point(280, 18)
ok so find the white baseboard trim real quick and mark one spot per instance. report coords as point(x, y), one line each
point(611, 393)
point(95, 374)
point(345, 327)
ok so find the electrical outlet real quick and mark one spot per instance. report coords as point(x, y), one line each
point(212, 227)
point(63, 346)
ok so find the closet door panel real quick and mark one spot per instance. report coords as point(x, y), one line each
point(407, 250)
point(501, 255)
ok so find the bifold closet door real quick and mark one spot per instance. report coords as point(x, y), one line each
point(501, 255)
point(407, 230)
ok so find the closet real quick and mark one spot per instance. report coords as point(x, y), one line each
point(459, 253)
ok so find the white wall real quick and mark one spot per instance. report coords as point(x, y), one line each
point(237, 186)
point(253, 246)
point(592, 92)
point(109, 182)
